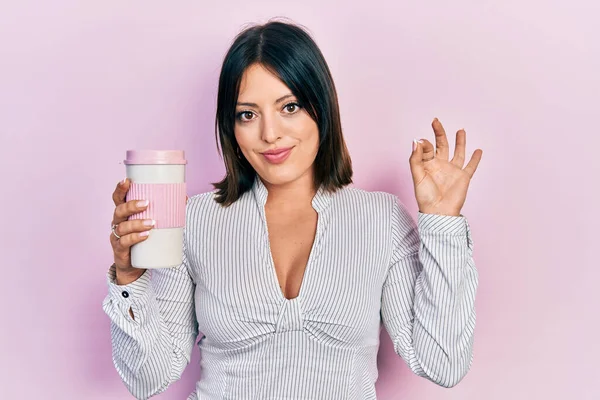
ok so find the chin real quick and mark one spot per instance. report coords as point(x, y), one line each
point(281, 174)
point(279, 177)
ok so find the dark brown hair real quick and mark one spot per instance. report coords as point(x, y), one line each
point(287, 51)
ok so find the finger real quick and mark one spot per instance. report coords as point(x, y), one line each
point(428, 151)
point(120, 192)
point(134, 226)
point(416, 162)
point(473, 163)
point(459, 150)
point(441, 141)
point(125, 210)
point(186, 198)
point(122, 246)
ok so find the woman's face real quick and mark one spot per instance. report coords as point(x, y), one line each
point(276, 135)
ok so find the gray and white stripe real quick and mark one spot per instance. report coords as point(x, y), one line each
point(370, 265)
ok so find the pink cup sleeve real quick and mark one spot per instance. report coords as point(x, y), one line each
point(166, 203)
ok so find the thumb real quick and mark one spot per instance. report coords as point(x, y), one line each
point(416, 161)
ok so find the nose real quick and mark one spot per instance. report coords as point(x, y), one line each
point(269, 129)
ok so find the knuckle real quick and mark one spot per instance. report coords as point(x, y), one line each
point(118, 196)
point(126, 227)
point(119, 211)
point(119, 229)
point(133, 239)
point(123, 244)
point(132, 207)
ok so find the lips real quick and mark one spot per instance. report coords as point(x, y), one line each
point(277, 156)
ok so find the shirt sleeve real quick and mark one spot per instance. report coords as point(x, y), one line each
point(428, 297)
point(151, 351)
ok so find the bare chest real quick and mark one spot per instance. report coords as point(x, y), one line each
point(291, 240)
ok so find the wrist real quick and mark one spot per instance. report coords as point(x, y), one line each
point(440, 212)
point(127, 277)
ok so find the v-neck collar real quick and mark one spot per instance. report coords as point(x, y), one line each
point(320, 201)
point(320, 204)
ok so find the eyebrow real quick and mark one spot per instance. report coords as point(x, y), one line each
point(276, 101)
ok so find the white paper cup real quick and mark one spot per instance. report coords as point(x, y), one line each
point(159, 177)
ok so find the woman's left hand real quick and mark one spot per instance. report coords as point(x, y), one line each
point(441, 185)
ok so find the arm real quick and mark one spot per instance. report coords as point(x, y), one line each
point(428, 299)
point(151, 351)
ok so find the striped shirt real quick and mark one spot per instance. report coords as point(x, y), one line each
point(370, 265)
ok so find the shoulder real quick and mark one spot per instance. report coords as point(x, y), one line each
point(201, 200)
point(369, 201)
point(378, 207)
point(381, 209)
point(204, 207)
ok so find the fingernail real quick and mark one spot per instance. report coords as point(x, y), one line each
point(145, 233)
point(149, 222)
point(414, 144)
point(142, 203)
point(420, 141)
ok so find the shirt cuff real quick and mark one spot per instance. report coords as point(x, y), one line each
point(445, 224)
point(131, 292)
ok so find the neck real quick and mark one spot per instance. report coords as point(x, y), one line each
point(291, 195)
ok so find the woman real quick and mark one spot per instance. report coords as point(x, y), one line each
point(288, 272)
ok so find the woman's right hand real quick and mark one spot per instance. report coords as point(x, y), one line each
point(131, 232)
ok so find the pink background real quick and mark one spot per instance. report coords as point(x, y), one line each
point(81, 82)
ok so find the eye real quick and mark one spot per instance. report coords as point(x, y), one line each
point(239, 115)
point(296, 106)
